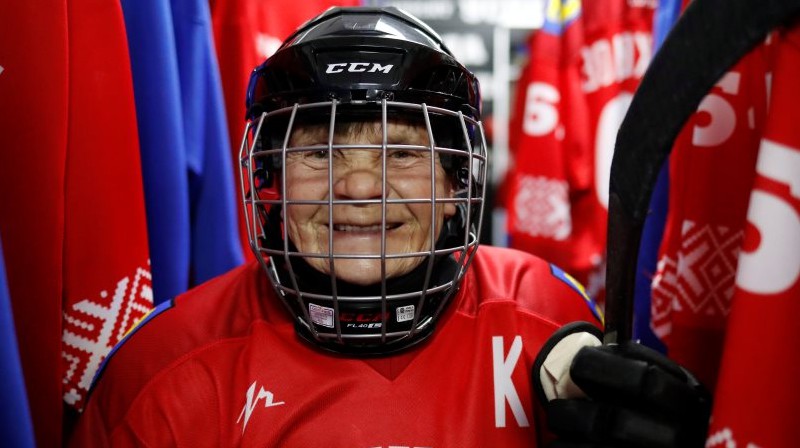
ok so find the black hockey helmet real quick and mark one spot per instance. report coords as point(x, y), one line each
point(363, 54)
point(356, 64)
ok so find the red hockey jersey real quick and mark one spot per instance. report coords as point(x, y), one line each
point(585, 64)
point(72, 211)
point(757, 394)
point(712, 167)
point(235, 373)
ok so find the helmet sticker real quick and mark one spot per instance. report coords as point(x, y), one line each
point(405, 313)
point(321, 315)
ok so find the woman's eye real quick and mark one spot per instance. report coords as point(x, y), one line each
point(401, 154)
point(320, 154)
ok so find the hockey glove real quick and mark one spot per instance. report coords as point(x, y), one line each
point(624, 395)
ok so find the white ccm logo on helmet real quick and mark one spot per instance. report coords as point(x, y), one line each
point(358, 67)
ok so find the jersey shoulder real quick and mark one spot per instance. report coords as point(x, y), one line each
point(534, 285)
point(222, 308)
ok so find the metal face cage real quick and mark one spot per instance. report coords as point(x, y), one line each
point(397, 310)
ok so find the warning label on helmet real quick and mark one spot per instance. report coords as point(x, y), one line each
point(405, 313)
point(321, 315)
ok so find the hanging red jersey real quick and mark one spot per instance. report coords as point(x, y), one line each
point(757, 394)
point(72, 216)
point(246, 32)
point(107, 286)
point(585, 64)
point(33, 131)
point(711, 173)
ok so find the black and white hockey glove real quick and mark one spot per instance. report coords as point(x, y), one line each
point(624, 395)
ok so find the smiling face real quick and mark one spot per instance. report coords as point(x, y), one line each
point(357, 175)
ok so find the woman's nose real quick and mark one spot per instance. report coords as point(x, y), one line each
point(358, 184)
point(358, 177)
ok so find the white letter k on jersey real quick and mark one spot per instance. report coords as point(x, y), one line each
point(247, 410)
point(504, 389)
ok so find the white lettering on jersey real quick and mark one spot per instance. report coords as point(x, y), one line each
point(358, 67)
point(722, 115)
point(626, 55)
point(251, 404)
point(605, 138)
point(541, 109)
point(774, 266)
point(504, 390)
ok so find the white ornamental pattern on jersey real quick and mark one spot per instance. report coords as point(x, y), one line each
point(702, 279)
point(543, 209)
point(664, 292)
point(93, 326)
point(724, 439)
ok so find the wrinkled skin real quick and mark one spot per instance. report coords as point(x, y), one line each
point(357, 174)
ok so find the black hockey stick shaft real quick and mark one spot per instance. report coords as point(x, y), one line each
point(708, 39)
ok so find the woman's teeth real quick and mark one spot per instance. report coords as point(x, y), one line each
point(354, 228)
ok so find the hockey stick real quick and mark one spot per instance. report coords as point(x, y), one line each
point(709, 38)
